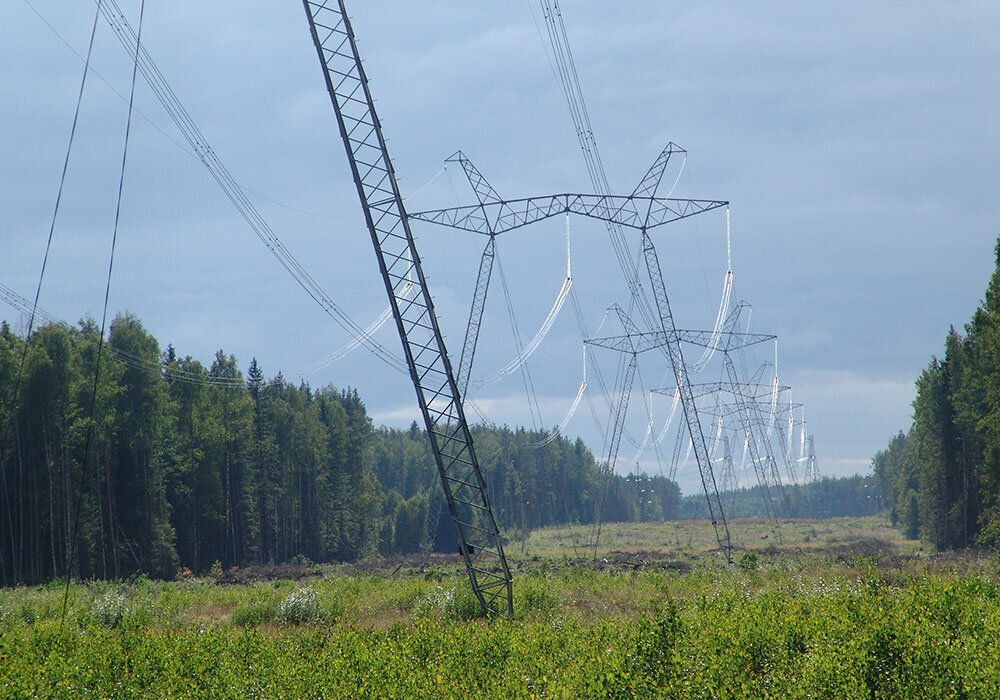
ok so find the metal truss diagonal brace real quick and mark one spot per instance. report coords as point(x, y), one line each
point(487, 217)
point(617, 428)
point(485, 193)
point(620, 413)
point(423, 345)
point(650, 183)
point(476, 315)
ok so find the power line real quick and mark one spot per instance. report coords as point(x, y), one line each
point(529, 386)
point(171, 372)
point(74, 536)
point(116, 19)
point(45, 258)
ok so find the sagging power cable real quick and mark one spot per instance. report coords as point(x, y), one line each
point(528, 350)
point(116, 19)
point(529, 386)
point(171, 372)
point(45, 258)
point(74, 533)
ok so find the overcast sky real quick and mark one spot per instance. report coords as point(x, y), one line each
point(857, 143)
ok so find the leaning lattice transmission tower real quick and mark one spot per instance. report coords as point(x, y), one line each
point(412, 307)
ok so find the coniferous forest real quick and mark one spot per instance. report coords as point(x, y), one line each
point(846, 496)
point(941, 478)
point(186, 465)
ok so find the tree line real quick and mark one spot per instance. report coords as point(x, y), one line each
point(532, 478)
point(829, 497)
point(941, 478)
point(183, 465)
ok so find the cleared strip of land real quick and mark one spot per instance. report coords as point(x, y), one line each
point(838, 610)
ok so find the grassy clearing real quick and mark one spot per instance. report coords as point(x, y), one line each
point(838, 609)
point(688, 538)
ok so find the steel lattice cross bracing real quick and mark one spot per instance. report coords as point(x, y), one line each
point(413, 310)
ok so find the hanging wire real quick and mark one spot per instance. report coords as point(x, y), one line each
point(529, 386)
point(670, 416)
point(791, 421)
point(170, 372)
point(164, 134)
point(360, 339)
point(528, 350)
point(583, 382)
point(114, 16)
point(45, 258)
point(648, 405)
point(572, 409)
point(62, 183)
point(74, 537)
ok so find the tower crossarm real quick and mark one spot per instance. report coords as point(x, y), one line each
point(753, 392)
point(728, 411)
point(649, 340)
point(637, 342)
point(724, 340)
point(637, 212)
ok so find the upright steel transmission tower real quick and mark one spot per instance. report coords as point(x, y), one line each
point(641, 210)
point(423, 345)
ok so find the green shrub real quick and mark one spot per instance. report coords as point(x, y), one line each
point(465, 605)
point(456, 602)
point(655, 647)
point(215, 572)
point(533, 596)
point(436, 602)
point(300, 606)
point(748, 562)
point(109, 609)
point(253, 613)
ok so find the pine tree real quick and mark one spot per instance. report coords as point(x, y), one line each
point(985, 329)
point(138, 466)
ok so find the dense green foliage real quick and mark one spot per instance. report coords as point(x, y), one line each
point(532, 482)
point(849, 496)
point(829, 622)
point(185, 466)
point(941, 479)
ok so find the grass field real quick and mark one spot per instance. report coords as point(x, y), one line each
point(836, 609)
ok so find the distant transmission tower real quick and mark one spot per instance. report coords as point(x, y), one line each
point(812, 467)
point(642, 210)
